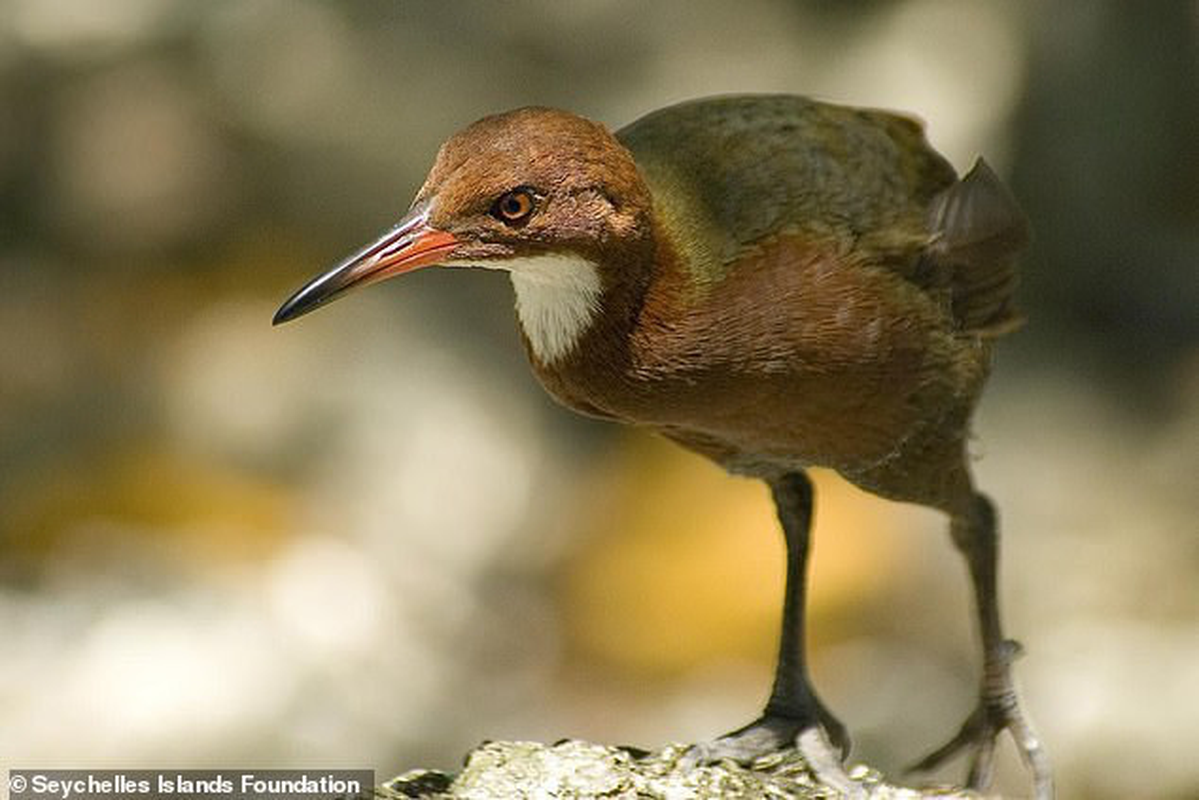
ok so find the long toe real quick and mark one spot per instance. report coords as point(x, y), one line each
point(762, 737)
point(770, 734)
point(973, 732)
point(977, 738)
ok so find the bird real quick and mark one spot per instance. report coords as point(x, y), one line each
point(773, 282)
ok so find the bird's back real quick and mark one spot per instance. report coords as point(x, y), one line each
point(760, 165)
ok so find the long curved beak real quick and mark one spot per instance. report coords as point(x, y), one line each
point(410, 245)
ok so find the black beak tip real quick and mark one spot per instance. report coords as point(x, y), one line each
point(286, 313)
point(297, 305)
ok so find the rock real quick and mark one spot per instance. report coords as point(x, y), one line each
point(578, 770)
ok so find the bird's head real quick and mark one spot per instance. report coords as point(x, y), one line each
point(549, 196)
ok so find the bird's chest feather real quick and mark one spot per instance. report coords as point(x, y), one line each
point(800, 354)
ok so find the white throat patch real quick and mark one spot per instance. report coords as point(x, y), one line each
point(557, 296)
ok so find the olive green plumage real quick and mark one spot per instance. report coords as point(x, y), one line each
point(789, 165)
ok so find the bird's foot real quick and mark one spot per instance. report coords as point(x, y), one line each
point(999, 709)
point(822, 750)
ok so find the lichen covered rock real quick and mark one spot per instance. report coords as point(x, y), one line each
point(571, 770)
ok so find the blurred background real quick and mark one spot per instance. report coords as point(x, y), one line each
point(369, 539)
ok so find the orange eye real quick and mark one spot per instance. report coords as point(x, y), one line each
point(515, 206)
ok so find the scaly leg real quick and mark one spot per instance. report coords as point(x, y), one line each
point(794, 716)
point(999, 708)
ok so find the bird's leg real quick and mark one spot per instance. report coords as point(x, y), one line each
point(792, 697)
point(794, 716)
point(975, 535)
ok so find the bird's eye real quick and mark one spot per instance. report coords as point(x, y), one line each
point(514, 207)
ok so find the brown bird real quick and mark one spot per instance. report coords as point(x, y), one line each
point(773, 282)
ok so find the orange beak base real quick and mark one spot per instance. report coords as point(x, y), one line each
point(409, 246)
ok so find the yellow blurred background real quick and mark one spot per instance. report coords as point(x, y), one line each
point(368, 538)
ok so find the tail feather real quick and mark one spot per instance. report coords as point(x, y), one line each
point(979, 231)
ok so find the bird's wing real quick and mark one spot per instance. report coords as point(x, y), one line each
point(979, 231)
point(729, 174)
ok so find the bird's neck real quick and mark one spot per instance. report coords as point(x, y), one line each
point(564, 296)
point(584, 326)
